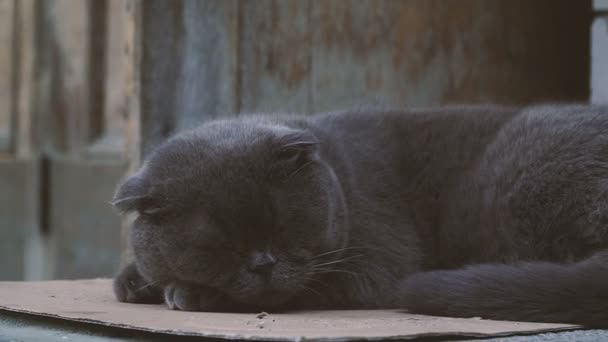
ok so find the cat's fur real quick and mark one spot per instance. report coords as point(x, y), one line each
point(463, 211)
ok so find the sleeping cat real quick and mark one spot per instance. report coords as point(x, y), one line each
point(460, 211)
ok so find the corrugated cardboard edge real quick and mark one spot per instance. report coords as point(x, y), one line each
point(253, 337)
point(296, 339)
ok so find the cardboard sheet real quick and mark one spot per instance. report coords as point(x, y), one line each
point(92, 301)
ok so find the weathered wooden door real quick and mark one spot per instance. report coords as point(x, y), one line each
point(203, 59)
point(62, 119)
point(92, 85)
point(19, 170)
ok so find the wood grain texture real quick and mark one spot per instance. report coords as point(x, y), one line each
point(18, 215)
point(275, 51)
point(599, 60)
point(6, 72)
point(63, 104)
point(207, 72)
point(24, 124)
point(85, 229)
point(117, 67)
point(112, 113)
point(132, 138)
point(75, 106)
point(311, 55)
point(428, 52)
point(207, 59)
point(133, 47)
point(160, 26)
point(188, 69)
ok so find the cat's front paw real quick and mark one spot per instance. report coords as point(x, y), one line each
point(131, 287)
point(181, 296)
point(187, 297)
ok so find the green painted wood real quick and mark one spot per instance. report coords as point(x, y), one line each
point(599, 58)
point(275, 56)
point(207, 71)
point(75, 130)
point(84, 228)
point(67, 88)
point(430, 52)
point(206, 58)
point(18, 216)
point(188, 70)
point(6, 70)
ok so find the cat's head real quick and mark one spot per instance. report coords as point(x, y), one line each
point(246, 207)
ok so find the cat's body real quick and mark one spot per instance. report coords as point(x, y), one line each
point(358, 210)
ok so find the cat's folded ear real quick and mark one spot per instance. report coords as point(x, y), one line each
point(297, 146)
point(132, 194)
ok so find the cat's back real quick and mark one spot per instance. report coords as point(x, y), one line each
point(443, 132)
point(551, 135)
point(541, 189)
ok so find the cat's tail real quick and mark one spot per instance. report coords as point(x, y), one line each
point(529, 291)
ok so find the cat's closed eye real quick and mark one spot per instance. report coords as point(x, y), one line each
point(153, 212)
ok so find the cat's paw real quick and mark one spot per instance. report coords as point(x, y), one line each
point(181, 296)
point(187, 297)
point(130, 287)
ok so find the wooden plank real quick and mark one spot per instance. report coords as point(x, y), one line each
point(64, 73)
point(18, 219)
point(6, 71)
point(275, 53)
point(599, 56)
point(354, 44)
point(85, 229)
point(25, 86)
point(132, 150)
point(160, 32)
point(207, 72)
point(82, 118)
point(428, 52)
point(600, 5)
point(188, 65)
point(374, 53)
point(133, 47)
point(19, 172)
point(116, 69)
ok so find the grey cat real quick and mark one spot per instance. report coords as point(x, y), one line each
point(462, 211)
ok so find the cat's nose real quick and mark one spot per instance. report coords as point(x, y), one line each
point(262, 263)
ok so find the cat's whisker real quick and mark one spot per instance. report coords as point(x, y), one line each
point(308, 288)
point(331, 270)
point(312, 279)
point(337, 251)
point(339, 265)
point(146, 286)
point(344, 260)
